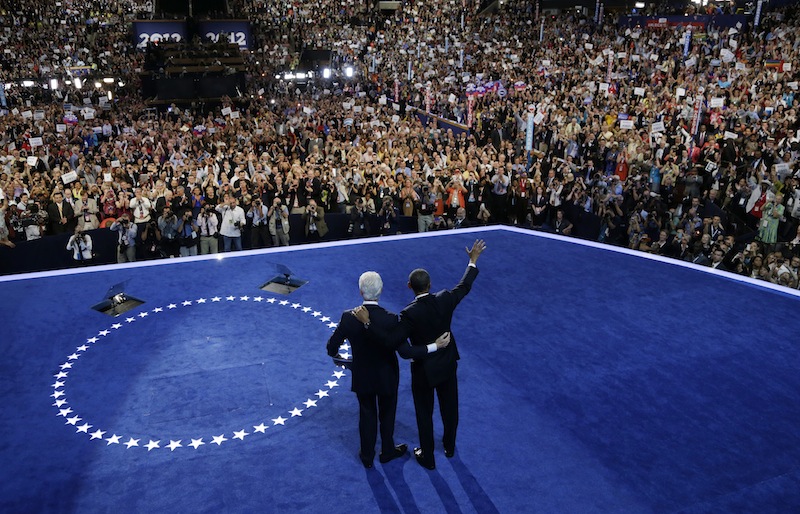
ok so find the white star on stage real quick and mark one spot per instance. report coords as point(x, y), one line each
point(186, 303)
point(240, 435)
point(66, 365)
point(333, 325)
point(310, 403)
point(218, 440)
point(82, 348)
point(61, 374)
point(116, 326)
point(321, 393)
point(345, 355)
point(295, 306)
point(306, 309)
point(97, 434)
point(132, 442)
point(230, 298)
point(114, 439)
point(145, 314)
point(57, 394)
point(58, 384)
point(280, 420)
point(59, 403)
point(73, 421)
point(324, 319)
point(271, 300)
point(197, 443)
point(130, 320)
point(331, 384)
point(284, 302)
point(345, 346)
point(200, 300)
point(174, 444)
point(91, 340)
point(244, 298)
point(84, 428)
point(172, 306)
point(158, 309)
point(152, 445)
point(296, 412)
point(258, 298)
point(73, 356)
point(216, 299)
point(104, 333)
point(64, 412)
point(338, 374)
point(316, 314)
point(260, 428)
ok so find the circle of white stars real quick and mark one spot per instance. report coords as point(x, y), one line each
point(84, 426)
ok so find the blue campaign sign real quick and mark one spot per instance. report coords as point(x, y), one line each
point(234, 31)
point(154, 31)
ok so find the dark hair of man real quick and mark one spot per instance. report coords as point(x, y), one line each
point(420, 281)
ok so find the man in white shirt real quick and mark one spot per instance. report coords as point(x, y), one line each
point(209, 228)
point(233, 219)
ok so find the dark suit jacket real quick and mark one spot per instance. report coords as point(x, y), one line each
point(426, 318)
point(56, 226)
point(374, 368)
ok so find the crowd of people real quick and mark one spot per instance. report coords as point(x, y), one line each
point(639, 139)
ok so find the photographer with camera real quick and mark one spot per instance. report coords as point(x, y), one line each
point(279, 223)
point(209, 230)
point(233, 220)
point(359, 220)
point(314, 221)
point(425, 207)
point(126, 243)
point(81, 245)
point(188, 235)
point(259, 235)
point(387, 216)
point(168, 225)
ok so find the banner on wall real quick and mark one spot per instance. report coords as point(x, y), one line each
point(156, 31)
point(234, 31)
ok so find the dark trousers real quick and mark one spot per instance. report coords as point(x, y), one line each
point(260, 237)
point(447, 392)
point(374, 408)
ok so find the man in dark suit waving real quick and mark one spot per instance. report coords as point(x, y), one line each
point(375, 372)
point(430, 314)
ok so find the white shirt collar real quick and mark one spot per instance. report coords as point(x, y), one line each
point(370, 302)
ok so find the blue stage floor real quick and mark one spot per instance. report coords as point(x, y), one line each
point(591, 380)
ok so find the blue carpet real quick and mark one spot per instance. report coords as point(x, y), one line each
point(591, 381)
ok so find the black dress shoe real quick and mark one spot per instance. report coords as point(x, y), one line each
point(449, 453)
point(367, 463)
point(398, 451)
point(422, 460)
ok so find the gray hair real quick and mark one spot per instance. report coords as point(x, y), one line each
point(371, 286)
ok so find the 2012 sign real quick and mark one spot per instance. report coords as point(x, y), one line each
point(145, 39)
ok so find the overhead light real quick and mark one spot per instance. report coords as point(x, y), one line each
point(278, 77)
point(77, 83)
point(98, 85)
point(27, 83)
point(110, 96)
point(108, 80)
point(326, 73)
point(639, 5)
point(348, 71)
point(300, 75)
point(53, 83)
point(121, 83)
point(272, 101)
point(310, 74)
point(288, 76)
